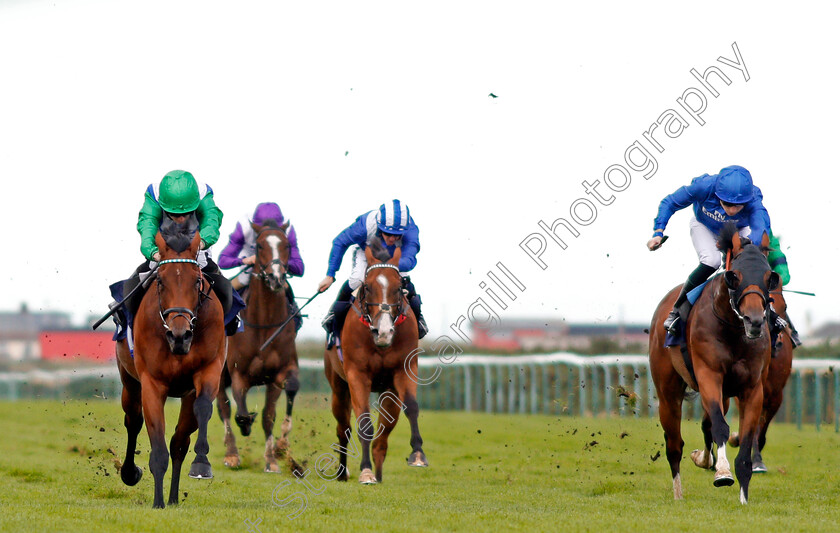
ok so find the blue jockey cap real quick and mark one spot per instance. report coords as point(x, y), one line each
point(734, 185)
point(392, 217)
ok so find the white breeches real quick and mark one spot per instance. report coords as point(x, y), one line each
point(705, 243)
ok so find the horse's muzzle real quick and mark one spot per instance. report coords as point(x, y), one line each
point(753, 328)
point(179, 344)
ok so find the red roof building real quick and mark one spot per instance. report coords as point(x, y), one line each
point(91, 345)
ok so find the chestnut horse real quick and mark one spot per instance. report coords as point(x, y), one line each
point(276, 367)
point(728, 343)
point(774, 386)
point(179, 351)
point(377, 340)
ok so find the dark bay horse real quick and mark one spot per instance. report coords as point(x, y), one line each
point(179, 351)
point(376, 341)
point(774, 386)
point(728, 343)
point(276, 367)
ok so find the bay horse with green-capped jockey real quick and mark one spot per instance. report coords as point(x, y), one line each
point(179, 351)
point(728, 347)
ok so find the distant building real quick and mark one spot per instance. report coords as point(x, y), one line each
point(19, 331)
point(531, 334)
point(828, 333)
point(27, 336)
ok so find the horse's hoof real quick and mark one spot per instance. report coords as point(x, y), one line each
point(759, 468)
point(201, 471)
point(417, 459)
point(734, 440)
point(367, 477)
point(702, 459)
point(131, 476)
point(724, 479)
point(233, 461)
point(272, 468)
point(245, 423)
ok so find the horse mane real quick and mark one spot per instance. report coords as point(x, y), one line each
point(726, 239)
point(178, 236)
point(380, 253)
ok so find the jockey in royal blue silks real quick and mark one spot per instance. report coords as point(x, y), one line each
point(392, 225)
point(727, 196)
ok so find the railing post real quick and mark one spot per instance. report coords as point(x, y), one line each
point(799, 395)
point(533, 381)
point(467, 389)
point(817, 399)
point(488, 389)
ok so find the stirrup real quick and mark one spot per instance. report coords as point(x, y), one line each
point(794, 337)
point(422, 327)
point(670, 323)
point(328, 320)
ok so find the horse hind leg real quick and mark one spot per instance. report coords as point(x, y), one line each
point(244, 419)
point(180, 444)
point(132, 405)
point(341, 413)
point(232, 459)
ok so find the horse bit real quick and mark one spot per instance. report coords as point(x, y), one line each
point(185, 312)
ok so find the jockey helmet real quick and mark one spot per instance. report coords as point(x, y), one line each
point(179, 193)
point(392, 217)
point(267, 211)
point(734, 185)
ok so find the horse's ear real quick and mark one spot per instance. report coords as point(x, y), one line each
point(285, 226)
point(160, 242)
point(395, 259)
point(732, 279)
point(736, 244)
point(773, 280)
point(256, 227)
point(765, 244)
point(369, 256)
point(195, 244)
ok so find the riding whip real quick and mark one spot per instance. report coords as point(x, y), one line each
point(126, 297)
point(279, 329)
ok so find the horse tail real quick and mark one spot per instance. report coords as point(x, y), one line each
point(729, 240)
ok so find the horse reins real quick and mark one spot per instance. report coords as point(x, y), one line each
point(365, 317)
point(185, 312)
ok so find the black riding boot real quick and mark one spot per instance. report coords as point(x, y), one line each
point(334, 320)
point(415, 302)
point(697, 277)
point(224, 291)
point(294, 310)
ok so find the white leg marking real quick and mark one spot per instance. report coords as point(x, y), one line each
point(722, 461)
point(677, 488)
point(743, 498)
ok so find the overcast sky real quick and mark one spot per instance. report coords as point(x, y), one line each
point(331, 108)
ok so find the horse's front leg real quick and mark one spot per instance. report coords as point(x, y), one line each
point(239, 387)
point(272, 394)
point(154, 396)
point(711, 394)
point(407, 390)
point(751, 403)
point(180, 443)
point(360, 386)
point(206, 388)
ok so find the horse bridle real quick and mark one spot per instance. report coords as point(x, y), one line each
point(365, 317)
point(190, 314)
point(264, 274)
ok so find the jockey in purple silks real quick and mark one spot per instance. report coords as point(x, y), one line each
point(241, 250)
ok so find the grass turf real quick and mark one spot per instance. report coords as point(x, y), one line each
point(59, 472)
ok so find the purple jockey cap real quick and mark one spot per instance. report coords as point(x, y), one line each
point(266, 211)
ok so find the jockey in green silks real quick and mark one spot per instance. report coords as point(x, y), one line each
point(182, 199)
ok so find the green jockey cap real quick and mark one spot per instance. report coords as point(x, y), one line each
point(178, 193)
